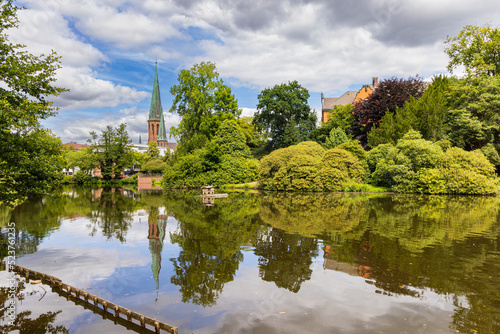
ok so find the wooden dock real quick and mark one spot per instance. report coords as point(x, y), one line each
point(98, 304)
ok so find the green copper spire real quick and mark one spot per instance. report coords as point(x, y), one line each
point(162, 134)
point(155, 111)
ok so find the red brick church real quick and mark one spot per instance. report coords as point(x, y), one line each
point(156, 124)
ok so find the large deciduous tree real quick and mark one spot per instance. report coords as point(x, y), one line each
point(112, 150)
point(390, 94)
point(204, 102)
point(284, 114)
point(30, 156)
point(474, 115)
point(475, 48)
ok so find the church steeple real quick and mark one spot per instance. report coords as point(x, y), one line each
point(155, 109)
point(155, 121)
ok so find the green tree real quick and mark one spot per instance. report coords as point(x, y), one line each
point(153, 151)
point(389, 95)
point(427, 115)
point(30, 157)
point(338, 117)
point(475, 48)
point(112, 151)
point(337, 137)
point(155, 165)
point(225, 159)
point(278, 106)
point(203, 101)
point(474, 112)
point(254, 137)
point(291, 135)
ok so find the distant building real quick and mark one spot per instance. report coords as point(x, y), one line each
point(349, 97)
point(156, 123)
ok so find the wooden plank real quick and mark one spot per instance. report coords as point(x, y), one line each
point(77, 294)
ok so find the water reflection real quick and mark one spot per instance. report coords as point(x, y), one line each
point(210, 239)
point(398, 245)
point(22, 322)
point(285, 259)
point(156, 234)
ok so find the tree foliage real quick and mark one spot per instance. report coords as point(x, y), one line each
point(204, 102)
point(339, 116)
point(254, 137)
point(337, 136)
point(226, 159)
point(30, 157)
point(418, 165)
point(153, 151)
point(308, 167)
point(475, 48)
point(389, 95)
point(278, 107)
point(112, 151)
point(427, 115)
point(474, 112)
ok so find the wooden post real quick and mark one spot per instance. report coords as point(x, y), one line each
point(58, 284)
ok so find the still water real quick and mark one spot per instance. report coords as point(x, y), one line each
point(260, 262)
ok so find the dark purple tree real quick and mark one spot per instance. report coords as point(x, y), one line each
point(387, 96)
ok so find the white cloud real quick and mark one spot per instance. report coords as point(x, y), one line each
point(326, 45)
point(86, 91)
point(248, 112)
point(43, 30)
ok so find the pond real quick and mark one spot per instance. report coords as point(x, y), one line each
point(259, 262)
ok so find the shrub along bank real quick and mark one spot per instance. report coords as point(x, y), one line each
point(413, 165)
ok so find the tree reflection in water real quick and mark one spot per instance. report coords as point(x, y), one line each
point(211, 239)
point(401, 244)
point(22, 322)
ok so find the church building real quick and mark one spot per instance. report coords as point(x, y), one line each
point(156, 124)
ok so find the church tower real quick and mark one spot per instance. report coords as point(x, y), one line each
point(156, 124)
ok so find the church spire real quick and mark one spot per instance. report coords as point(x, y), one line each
point(155, 111)
point(162, 134)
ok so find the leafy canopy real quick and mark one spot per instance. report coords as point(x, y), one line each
point(283, 113)
point(226, 159)
point(30, 157)
point(112, 151)
point(427, 115)
point(475, 48)
point(204, 102)
point(389, 95)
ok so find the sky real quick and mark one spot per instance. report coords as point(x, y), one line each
point(109, 49)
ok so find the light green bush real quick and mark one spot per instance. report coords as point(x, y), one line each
point(336, 137)
point(382, 151)
point(345, 161)
point(396, 172)
point(299, 174)
point(457, 158)
point(491, 153)
point(272, 163)
point(354, 146)
point(422, 153)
